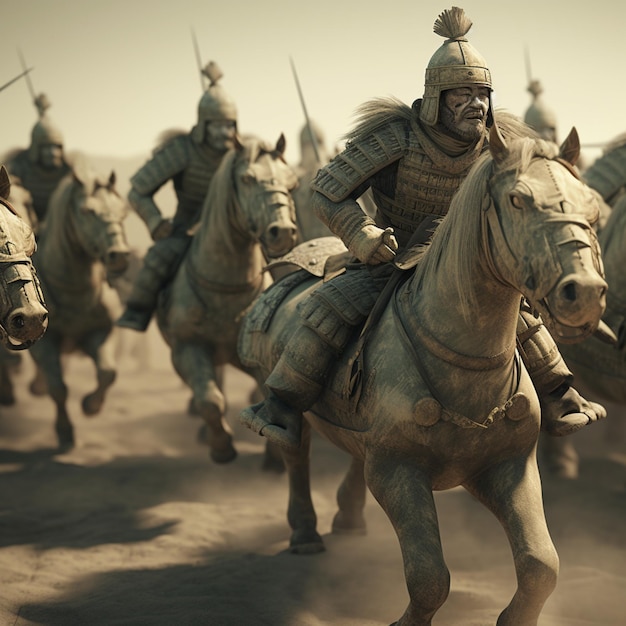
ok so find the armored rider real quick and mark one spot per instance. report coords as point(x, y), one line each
point(189, 160)
point(538, 115)
point(413, 159)
point(41, 166)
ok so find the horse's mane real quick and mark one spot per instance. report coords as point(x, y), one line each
point(459, 233)
point(220, 194)
point(376, 112)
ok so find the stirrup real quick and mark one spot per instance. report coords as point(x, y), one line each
point(565, 411)
point(260, 419)
point(135, 319)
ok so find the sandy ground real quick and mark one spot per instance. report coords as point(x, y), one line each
point(136, 526)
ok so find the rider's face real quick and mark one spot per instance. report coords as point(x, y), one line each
point(51, 156)
point(464, 111)
point(220, 134)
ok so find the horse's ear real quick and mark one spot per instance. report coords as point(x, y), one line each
point(570, 148)
point(281, 144)
point(238, 144)
point(112, 179)
point(5, 183)
point(497, 144)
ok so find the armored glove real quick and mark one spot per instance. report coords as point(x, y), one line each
point(374, 245)
point(162, 230)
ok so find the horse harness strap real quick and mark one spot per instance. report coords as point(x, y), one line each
point(514, 407)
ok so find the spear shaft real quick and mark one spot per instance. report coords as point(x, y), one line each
point(306, 115)
point(198, 59)
point(24, 73)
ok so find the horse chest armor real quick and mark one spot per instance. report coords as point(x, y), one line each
point(422, 189)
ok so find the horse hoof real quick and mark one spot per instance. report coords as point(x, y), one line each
point(225, 455)
point(92, 405)
point(307, 548)
point(65, 437)
point(342, 525)
point(306, 542)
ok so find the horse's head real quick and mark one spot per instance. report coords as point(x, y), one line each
point(263, 184)
point(99, 213)
point(23, 314)
point(540, 232)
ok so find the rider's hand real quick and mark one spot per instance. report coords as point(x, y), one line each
point(163, 229)
point(374, 245)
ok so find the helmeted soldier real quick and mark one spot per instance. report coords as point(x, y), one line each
point(189, 161)
point(538, 115)
point(313, 155)
point(413, 159)
point(41, 166)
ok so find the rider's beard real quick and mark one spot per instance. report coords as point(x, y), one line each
point(467, 129)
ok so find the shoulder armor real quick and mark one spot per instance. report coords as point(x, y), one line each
point(362, 158)
point(167, 161)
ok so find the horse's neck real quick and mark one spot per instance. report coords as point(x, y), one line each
point(63, 257)
point(487, 329)
point(218, 262)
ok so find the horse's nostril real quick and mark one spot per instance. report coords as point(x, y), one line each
point(569, 292)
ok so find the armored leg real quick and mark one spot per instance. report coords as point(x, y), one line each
point(298, 378)
point(563, 409)
point(159, 266)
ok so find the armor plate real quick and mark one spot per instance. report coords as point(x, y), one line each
point(360, 160)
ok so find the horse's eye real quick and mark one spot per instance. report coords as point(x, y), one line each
point(516, 201)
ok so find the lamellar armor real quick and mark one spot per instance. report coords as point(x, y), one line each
point(411, 179)
point(190, 166)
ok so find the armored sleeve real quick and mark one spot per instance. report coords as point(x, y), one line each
point(337, 185)
point(361, 159)
point(168, 161)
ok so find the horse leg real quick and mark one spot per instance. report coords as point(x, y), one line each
point(195, 366)
point(405, 495)
point(7, 395)
point(559, 456)
point(273, 458)
point(512, 492)
point(349, 519)
point(300, 513)
point(47, 356)
point(100, 347)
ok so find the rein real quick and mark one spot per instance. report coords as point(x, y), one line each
point(459, 360)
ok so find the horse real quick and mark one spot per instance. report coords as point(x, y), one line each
point(83, 243)
point(438, 396)
point(599, 366)
point(23, 313)
point(248, 215)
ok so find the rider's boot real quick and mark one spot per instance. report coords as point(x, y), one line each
point(563, 409)
point(293, 386)
point(142, 300)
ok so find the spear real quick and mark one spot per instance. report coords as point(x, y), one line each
point(24, 73)
point(306, 115)
point(198, 59)
point(40, 101)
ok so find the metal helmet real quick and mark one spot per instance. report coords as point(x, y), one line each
point(538, 116)
point(44, 132)
point(215, 103)
point(455, 64)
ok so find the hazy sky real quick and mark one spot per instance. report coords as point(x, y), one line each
point(118, 72)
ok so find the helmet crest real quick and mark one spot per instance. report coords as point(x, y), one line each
point(455, 64)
